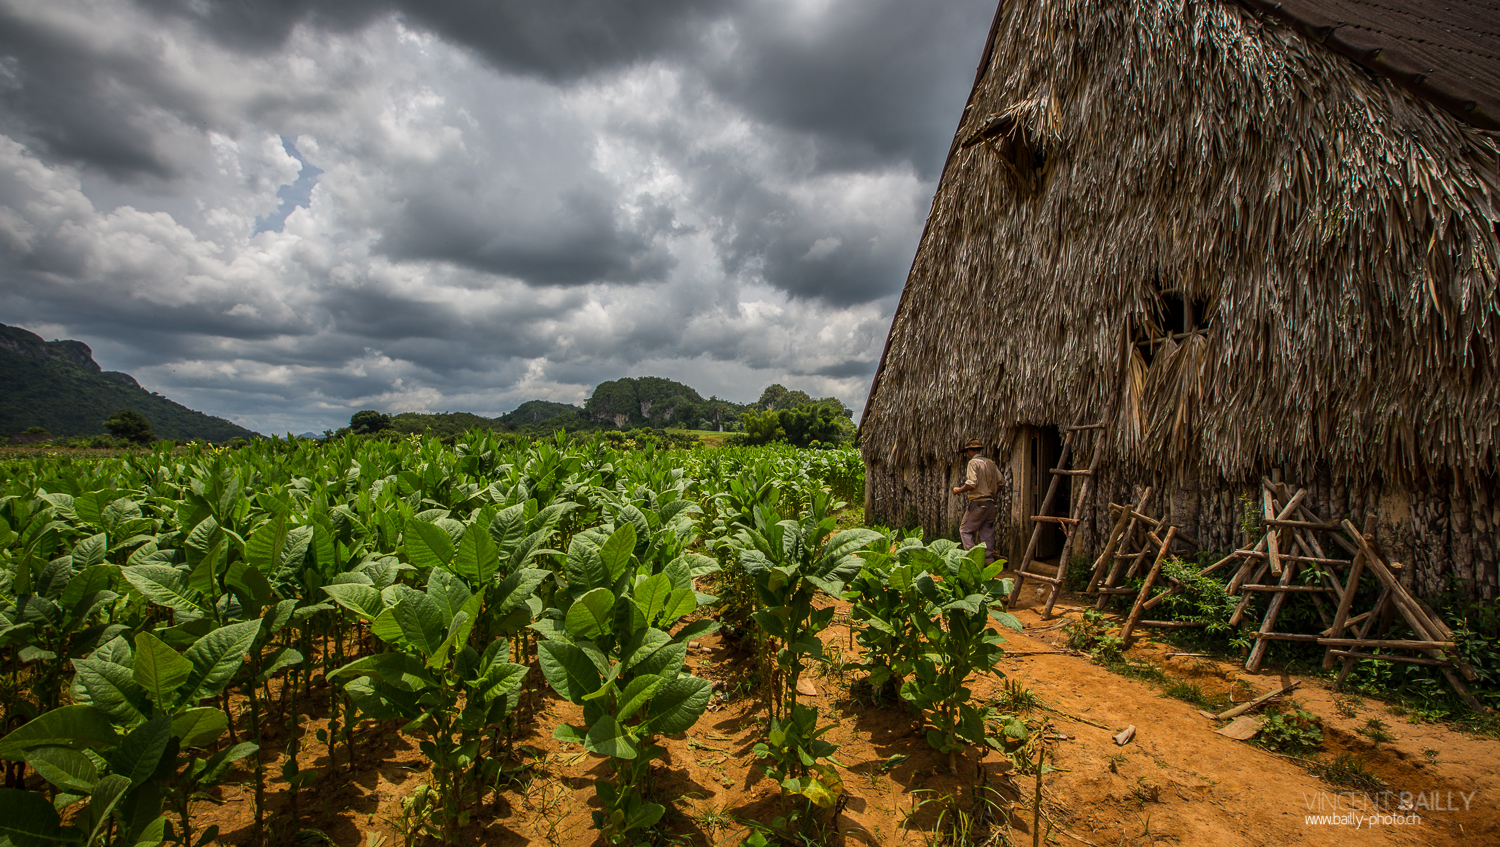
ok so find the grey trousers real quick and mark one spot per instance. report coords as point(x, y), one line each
point(979, 525)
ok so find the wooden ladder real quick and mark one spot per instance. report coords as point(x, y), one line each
point(1069, 524)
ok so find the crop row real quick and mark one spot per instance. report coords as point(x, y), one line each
point(163, 612)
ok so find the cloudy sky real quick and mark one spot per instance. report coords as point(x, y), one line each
point(283, 211)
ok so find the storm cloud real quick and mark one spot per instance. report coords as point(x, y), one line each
point(282, 212)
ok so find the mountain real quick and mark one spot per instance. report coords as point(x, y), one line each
point(644, 401)
point(58, 386)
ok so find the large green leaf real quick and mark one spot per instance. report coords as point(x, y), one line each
point(216, 657)
point(585, 569)
point(362, 600)
point(107, 794)
point(28, 820)
point(78, 726)
point(263, 547)
point(141, 751)
point(201, 726)
point(421, 621)
point(111, 687)
point(637, 694)
point(166, 586)
point(448, 591)
point(159, 669)
point(568, 670)
point(90, 551)
point(589, 616)
point(608, 738)
point(501, 679)
point(477, 557)
point(617, 550)
point(399, 670)
point(652, 595)
point(64, 767)
point(427, 545)
point(678, 704)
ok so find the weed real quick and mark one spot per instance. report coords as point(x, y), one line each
point(1091, 635)
point(1375, 730)
point(1292, 730)
point(1347, 705)
point(1116, 761)
point(1430, 755)
point(1348, 771)
point(1191, 692)
point(1016, 699)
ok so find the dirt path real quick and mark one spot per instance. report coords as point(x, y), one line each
point(1176, 782)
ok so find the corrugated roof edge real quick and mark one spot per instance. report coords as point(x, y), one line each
point(1461, 107)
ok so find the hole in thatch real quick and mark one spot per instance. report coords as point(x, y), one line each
point(1177, 316)
point(1016, 145)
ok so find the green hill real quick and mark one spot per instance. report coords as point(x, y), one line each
point(58, 386)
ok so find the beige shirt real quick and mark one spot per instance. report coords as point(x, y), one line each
point(984, 475)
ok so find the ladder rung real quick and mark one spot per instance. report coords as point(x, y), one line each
point(1083, 426)
point(1050, 580)
point(1051, 519)
point(1084, 472)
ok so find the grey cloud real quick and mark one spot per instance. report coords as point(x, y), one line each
point(878, 81)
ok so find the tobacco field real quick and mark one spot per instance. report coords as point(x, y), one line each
point(166, 618)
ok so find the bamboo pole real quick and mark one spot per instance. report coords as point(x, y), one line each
point(1145, 593)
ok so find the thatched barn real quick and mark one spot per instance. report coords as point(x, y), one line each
point(1251, 238)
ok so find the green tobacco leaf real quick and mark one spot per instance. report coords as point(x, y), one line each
point(201, 726)
point(264, 546)
point(111, 687)
point(448, 591)
point(421, 621)
point(514, 589)
point(250, 585)
point(568, 670)
point(1006, 619)
point(589, 617)
point(159, 669)
point(696, 629)
point(107, 794)
point(216, 657)
point(585, 568)
point(427, 545)
point(608, 738)
point(80, 727)
point(477, 557)
point(166, 586)
point(637, 694)
point(64, 767)
point(90, 551)
point(666, 661)
point(678, 704)
point(652, 596)
point(565, 732)
point(644, 816)
point(501, 679)
point(617, 550)
point(362, 600)
point(141, 751)
point(28, 820)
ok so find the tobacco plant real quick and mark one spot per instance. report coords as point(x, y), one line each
point(791, 562)
point(609, 648)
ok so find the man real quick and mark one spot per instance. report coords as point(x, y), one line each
point(981, 484)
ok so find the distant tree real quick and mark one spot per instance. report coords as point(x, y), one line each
point(812, 422)
point(762, 427)
point(777, 397)
point(36, 430)
point(369, 422)
point(131, 426)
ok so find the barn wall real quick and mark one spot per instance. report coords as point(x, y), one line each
point(1445, 532)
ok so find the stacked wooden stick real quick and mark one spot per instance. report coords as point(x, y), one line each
point(1135, 538)
point(1293, 545)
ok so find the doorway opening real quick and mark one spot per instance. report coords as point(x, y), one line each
point(1043, 449)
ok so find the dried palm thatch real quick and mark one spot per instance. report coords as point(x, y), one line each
point(1336, 232)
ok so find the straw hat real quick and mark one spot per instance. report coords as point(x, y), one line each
point(971, 444)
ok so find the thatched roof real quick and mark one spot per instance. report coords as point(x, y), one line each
point(1338, 231)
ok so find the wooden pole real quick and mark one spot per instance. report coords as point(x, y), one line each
point(1351, 587)
point(1145, 593)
